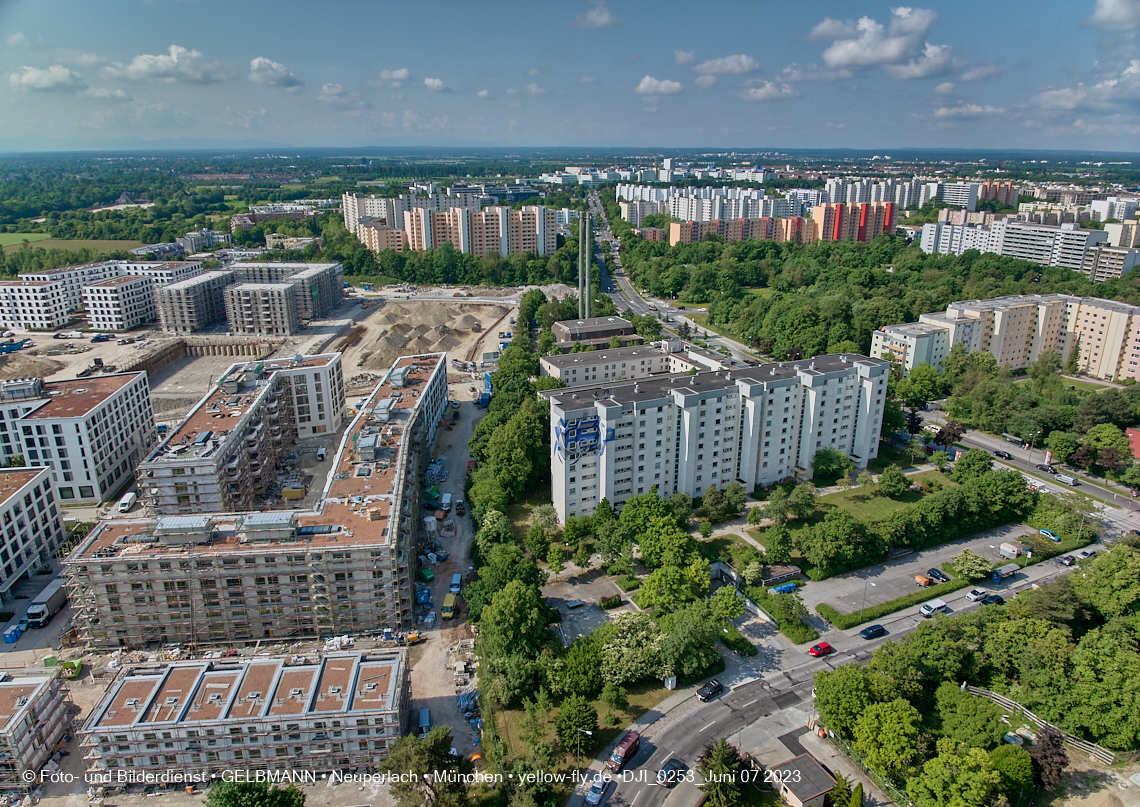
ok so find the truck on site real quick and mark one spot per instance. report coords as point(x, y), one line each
point(47, 604)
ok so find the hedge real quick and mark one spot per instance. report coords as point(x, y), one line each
point(606, 603)
point(871, 613)
point(628, 583)
point(730, 637)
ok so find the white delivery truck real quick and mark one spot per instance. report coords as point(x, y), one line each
point(127, 502)
point(47, 604)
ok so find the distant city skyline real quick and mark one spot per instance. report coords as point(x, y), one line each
point(124, 74)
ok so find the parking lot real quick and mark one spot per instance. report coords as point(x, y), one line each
point(565, 592)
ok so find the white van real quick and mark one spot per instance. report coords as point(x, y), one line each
point(1065, 479)
point(425, 721)
point(322, 452)
point(931, 608)
point(127, 502)
point(445, 503)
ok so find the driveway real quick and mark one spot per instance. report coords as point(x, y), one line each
point(586, 587)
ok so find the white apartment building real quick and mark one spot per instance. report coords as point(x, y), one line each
point(120, 303)
point(202, 718)
point(73, 279)
point(911, 344)
point(33, 304)
point(1114, 207)
point(628, 363)
point(357, 206)
point(1123, 234)
point(33, 526)
point(1104, 262)
point(91, 432)
point(33, 720)
point(224, 453)
point(684, 433)
point(198, 240)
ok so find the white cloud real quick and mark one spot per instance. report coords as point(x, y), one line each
point(586, 80)
point(178, 64)
point(981, 72)
point(534, 71)
point(597, 17)
point(968, 111)
point(1116, 14)
point(266, 71)
point(17, 40)
point(653, 86)
point(330, 92)
point(684, 57)
point(1063, 98)
point(812, 72)
point(768, 91)
point(1114, 92)
point(435, 84)
point(392, 78)
point(900, 47)
point(735, 65)
point(704, 82)
point(945, 88)
point(107, 95)
point(56, 78)
point(534, 89)
point(935, 60)
point(483, 94)
point(335, 95)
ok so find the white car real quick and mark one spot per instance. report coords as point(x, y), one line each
point(977, 595)
point(597, 790)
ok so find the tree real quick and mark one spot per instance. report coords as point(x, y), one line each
point(718, 766)
point(971, 565)
point(253, 794)
point(1073, 362)
point(574, 716)
point(631, 648)
point(734, 499)
point(513, 622)
point(777, 505)
point(893, 482)
point(856, 799)
point(969, 719)
point(801, 501)
point(916, 447)
point(843, 695)
point(755, 515)
point(1014, 767)
point(615, 697)
point(16, 461)
point(886, 734)
point(940, 459)
point(544, 517)
point(495, 529)
point(726, 603)
point(713, 504)
point(778, 544)
point(972, 465)
point(689, 644)
point(682, 506)
point(554, 559)
point(1111, 583)
point(537, 542)
point(666, 587)
point(960, 776)
point(829, 464)
point(951, 432)
point(615, 342)
point(840, 795)
point(603, 513)
point(422, 757)
point(836, 542)
point(1049, 757)
point(1062, 444)
point(504, 563)
point(866, 479)
point(706, 528)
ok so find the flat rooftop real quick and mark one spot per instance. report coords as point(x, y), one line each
point(78, 398)
point(658, 387)
point(281, 287)
point(356, 503)
point(912, 329)
point(16, 695)
point(12, 479)
point(603, 356)
point(198, 692)
point(594, 322)
point(118, 281)
point(197, 280)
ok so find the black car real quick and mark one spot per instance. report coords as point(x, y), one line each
point(710, 690)
point(938, 575)
point(873, 632)
point(994, 599)
point(1047, 469)
point(1003, 455)
point(1066, 560)
point(672, 772)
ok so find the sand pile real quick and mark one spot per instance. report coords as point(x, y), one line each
point(400, 329)
point(23, 365)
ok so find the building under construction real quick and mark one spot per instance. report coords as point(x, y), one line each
point(344, 566)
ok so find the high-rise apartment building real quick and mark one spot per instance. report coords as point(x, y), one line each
point(911, 344)
point(378, 235)
point(629, 363)
point(391, 210)
point(491, 231)
point(33, 526)
point(91, 432)
point(342, 565)
point(857, 222)
point(194, 304)
point(317, 287)
point(33, 720)
point(223, 455)
point(684, 433)
point(74, 279)
point(203, 718)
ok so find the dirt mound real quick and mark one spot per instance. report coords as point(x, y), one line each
point(403, 328)
point(23, 365)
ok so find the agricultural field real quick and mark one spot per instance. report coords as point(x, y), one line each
point(15, 239)
point(73, 244)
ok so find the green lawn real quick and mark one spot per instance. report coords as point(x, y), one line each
point(519, 512)
point(732, 549)
point(10, 239)
point(74, 244)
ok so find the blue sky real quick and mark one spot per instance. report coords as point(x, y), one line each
point(752, 74)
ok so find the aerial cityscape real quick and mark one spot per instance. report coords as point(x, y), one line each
point(550, 406)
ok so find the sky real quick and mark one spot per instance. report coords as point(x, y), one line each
point(749, 74)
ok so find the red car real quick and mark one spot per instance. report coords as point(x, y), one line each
point(821, 649)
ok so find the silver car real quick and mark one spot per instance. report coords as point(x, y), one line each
point(977, 595)
point(597, 790)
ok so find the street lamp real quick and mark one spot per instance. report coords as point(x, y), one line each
point(1032, 441)
point(580, 733)
point(866, 582)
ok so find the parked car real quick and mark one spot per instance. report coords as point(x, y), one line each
point(873, 632)
point(994, 599)
point(820, 650)
point(597, 790)
point(1066, 560)
point(1046, 468)
point(1052, 536)
point(671, 772)
point(938, 575)
point(1085, 554)
point(977, 594)
point(1003, 455)
point(710, 690)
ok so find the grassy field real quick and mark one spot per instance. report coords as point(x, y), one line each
point(11, 239)
point(519, 512)
point(61, 243)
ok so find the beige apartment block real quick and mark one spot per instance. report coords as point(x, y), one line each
point(33, 719)
point(194, 304)
point(230, 575)
point(203, 718)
